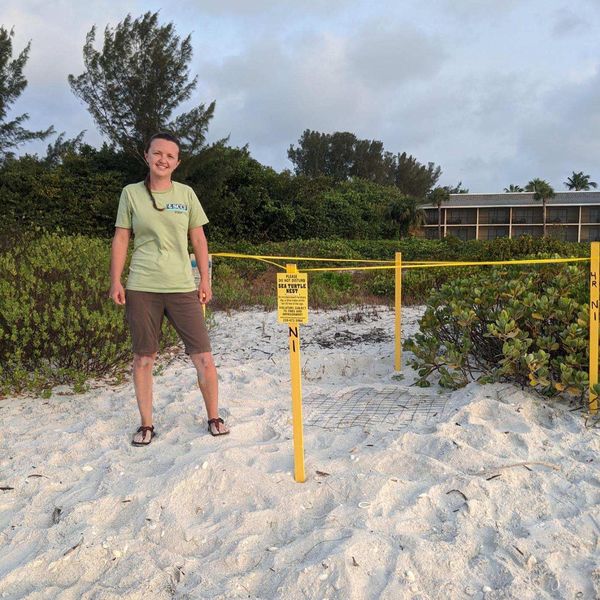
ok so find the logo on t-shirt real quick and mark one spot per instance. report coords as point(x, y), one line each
point(178, 208)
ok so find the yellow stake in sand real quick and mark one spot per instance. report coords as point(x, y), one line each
point(594, 310)
point(398, 314)
point(292, 308)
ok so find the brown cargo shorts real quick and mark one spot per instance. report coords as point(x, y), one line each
point(144, 312)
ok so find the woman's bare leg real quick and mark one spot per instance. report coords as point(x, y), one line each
point(208, 383)
point(142, 381)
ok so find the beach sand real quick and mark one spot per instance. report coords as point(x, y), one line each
point(487, 492)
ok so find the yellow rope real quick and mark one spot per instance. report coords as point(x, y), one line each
point(533, 261)
point(270, 262)
point(387, 264)
point(454, 264)
point(300, 258)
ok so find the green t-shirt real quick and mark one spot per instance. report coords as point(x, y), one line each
point(160, 260)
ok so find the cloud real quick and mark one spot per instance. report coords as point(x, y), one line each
point(265, 9)
point(390, 55)
point(515, 129)
point(270, 94)
point(566, 135)
point(566, 22)
point(57, 32)
point(477, 9)
point(277, 88)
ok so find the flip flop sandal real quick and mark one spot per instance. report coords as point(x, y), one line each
point(143, 431)
point(216, 422)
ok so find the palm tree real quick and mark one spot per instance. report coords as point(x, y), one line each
point(406, 215)
point(416, 215)
point(437, 196)
point(513, 188)
point(579, 181)
point(543, 191)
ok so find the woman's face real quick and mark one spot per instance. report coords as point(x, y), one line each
point(162, 158)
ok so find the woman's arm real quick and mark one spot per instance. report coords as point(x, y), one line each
point(118, 255)
point(200, 247)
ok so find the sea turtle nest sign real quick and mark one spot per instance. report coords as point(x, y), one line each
point(292, 297)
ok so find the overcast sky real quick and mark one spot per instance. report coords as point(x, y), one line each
point(494, 91)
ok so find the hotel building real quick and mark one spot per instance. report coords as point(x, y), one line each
point(570, 216)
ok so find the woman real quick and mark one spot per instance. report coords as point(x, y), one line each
point(162, 213)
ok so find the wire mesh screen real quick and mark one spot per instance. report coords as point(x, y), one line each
point(398, 407)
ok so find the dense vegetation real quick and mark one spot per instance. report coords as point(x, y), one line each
point(58, 326)
point(508, 324)
point(244, 199)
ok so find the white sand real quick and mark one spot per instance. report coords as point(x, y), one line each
point(410, 508)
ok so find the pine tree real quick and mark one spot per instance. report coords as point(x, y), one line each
point(12, 85)
point(135, 83)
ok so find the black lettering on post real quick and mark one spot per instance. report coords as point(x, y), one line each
point(595, 304)
point(293, 333)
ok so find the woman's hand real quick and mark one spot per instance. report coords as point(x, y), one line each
point(204, 292)
point(117, 293)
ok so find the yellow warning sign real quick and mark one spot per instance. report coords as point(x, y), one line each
point(292, 297)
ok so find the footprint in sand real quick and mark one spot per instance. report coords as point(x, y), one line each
point(257, 431)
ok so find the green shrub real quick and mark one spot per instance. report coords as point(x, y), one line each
point(417, 284)
point(411, 248)
point(57, 325)
point(231, 289)
point(382, 283)
point(528, 325)
point(330, 289)
point(341, 282)
point(70, 197)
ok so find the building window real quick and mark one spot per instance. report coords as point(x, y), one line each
point(590, 214)
point(562, 214)
point(461, 216)
point(494, 216)
point(527, 216)
point(589, 233)
point(564, 233)
point(462, 233)
point(518, 231)
point(491, 233)
point(431, 216)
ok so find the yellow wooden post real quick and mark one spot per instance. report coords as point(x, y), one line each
point(398, 314)
point(594, 310)
point(294, 341)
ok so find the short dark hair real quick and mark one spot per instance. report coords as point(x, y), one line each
point(163, 135)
